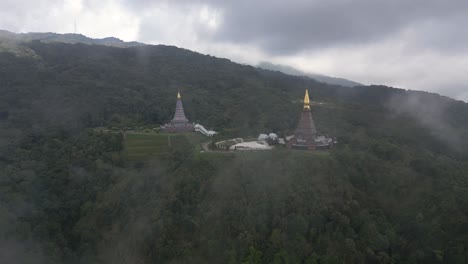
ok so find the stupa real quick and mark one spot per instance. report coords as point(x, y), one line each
point(180, 122)
point(305, 133)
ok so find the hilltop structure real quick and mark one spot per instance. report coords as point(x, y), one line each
point(180, 122)
point(305, 135)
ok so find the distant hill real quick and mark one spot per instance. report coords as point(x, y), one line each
point(10, 41)
point(71, 38)
point(319, 77)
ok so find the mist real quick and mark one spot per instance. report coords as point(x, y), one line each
point(434, 114)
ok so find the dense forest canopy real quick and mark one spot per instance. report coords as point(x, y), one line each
point(394, 190)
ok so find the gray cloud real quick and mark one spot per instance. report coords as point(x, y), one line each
point(285, 28)
point(281, 28)
point(292, 28)
point(15, 13)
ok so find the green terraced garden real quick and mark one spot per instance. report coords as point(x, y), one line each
point(139, 147)
point(146, 146)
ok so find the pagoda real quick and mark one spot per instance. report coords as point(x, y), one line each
point(180, 122)
point(305, 134)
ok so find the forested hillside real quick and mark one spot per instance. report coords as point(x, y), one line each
point(319, 77)
point(394, 190)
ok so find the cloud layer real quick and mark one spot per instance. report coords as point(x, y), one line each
point(416, 44)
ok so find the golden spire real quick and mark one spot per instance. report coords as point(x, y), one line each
point(178, 94)
point(306, 100)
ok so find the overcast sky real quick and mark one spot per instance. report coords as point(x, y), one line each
point(412, 44)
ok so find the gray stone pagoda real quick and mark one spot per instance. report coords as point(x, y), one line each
point(180, 122)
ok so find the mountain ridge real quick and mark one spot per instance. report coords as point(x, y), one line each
point(319, 77)
point(71, 38)
point(13, 42)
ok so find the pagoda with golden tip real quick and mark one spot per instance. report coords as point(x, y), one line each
point(305, 133)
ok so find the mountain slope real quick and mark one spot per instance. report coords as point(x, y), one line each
point(319, 77)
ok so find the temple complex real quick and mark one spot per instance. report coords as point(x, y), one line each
point(179, 123)
point(305, 133)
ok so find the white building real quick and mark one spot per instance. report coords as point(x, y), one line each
point(251, 145)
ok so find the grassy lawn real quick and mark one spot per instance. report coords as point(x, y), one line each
point(140, 147)
point(143, 146)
